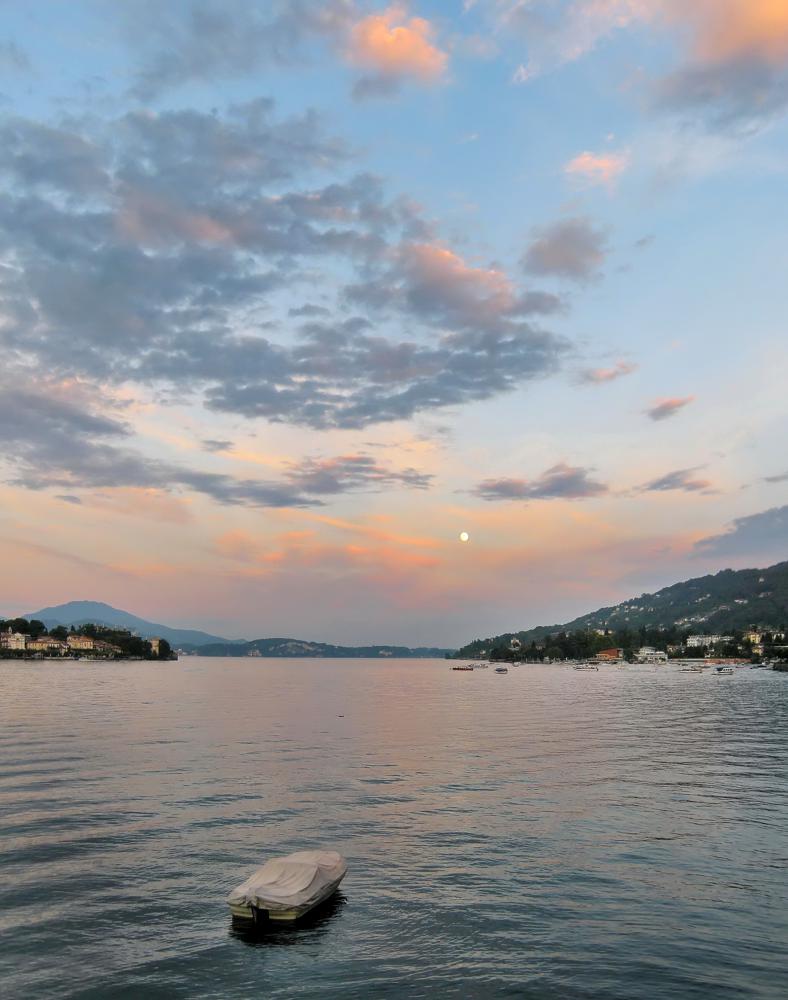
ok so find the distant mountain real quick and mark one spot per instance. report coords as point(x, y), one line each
point(721, 603)
point(303, 647)
point(97, 613)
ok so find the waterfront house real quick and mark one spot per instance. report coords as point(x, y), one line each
point(647, 654)
point(13, 640)
point(87, 644)
point(609, 655)
point(698, 641)
point(47, 645)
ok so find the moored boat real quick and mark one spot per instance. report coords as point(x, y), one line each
point(721, 671)
point(462, 668)
point(289, 887)
point(502, 670)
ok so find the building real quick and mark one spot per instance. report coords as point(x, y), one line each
point(87, 644)
point(609, 655)
point(155, 646)
point(12, 640)
point(647, 654)
point(698, 641)
point(48, 645)
point(82, 643)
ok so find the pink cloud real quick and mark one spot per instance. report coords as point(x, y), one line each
point(728, 30)
point(598, 376)
point(598, 168)
point(664, 408)
point(394, 47)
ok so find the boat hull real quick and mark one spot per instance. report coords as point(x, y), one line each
point(276, 912)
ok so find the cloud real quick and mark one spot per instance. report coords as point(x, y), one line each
point(430, 280)
point(782, 478)
point(737, 68)
point(202, 41)
point(680, 479)
point(764, 534)
point(394, 47)
point(733, 62)
point(562, 482)
point(664, 408)
point(350, 473)
point(153, 248)
point(571, 248)
point(13, 59)
point(561, 31)
point(58, 442)
point(598, 168)
point(599, 376)
point(523, 74)
point(211, 444)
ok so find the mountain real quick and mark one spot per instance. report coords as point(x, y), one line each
point(715, 604)
point(303, 647)
point(97, 613)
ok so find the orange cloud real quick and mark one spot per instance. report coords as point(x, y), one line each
point(394, 46)
point(598, 168)
point(728, 30)
point(440, 273)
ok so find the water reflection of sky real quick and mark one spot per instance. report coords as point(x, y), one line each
point(547, 831)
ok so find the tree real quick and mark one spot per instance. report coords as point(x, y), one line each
point(59, 632)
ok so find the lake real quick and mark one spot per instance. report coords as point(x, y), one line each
point(544, 834)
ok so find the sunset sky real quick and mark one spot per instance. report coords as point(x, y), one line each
point(292, 294)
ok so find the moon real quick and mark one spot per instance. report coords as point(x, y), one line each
point(464, 536)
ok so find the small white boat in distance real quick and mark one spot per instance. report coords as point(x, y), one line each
point(723, 670)
point(287, 888)
point(585, 666)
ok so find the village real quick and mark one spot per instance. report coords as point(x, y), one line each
point(94, 643)
point(750, 646)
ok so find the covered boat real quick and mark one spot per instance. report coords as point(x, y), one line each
point(287, 888)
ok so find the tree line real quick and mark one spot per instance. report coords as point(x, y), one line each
point(132, 646)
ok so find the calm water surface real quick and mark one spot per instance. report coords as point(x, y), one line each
point(544, 834)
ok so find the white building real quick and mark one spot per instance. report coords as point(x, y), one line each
point(698, 641)
point(12, 640)
point(647, 654)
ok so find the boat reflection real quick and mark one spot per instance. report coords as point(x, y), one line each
point(304, 931)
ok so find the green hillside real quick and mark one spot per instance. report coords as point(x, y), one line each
point(725, 602)
point(303, 647)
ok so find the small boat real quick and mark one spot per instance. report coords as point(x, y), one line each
point(481, 666)
point(287, 888)
point(585, 666)
point(502, 670)
point(724, 670)
point(462, 668)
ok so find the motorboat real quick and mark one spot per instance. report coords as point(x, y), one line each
point(289, 887)
point(462, 668)
point(720, 671)
point(585, 666)
point(502, 670)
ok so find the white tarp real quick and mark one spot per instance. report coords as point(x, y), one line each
point(294, 881)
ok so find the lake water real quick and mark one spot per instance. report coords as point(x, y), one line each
point(545, 834)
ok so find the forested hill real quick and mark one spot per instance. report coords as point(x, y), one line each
point(724, 602)
point(303, 647)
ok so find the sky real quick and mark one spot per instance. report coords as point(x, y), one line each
point(293, 294)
